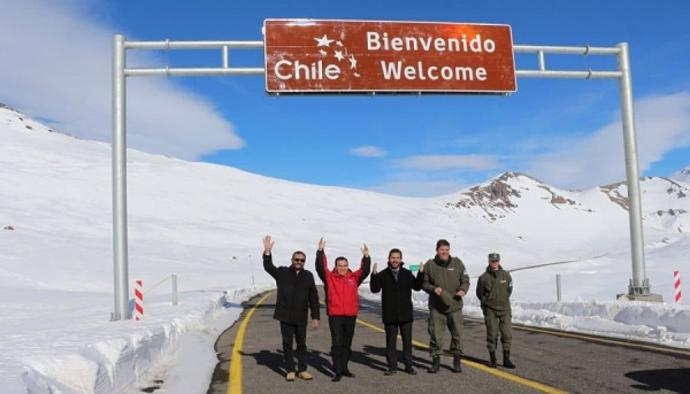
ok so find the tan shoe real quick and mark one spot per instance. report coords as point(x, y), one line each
point(290, 376)
point(304, 375)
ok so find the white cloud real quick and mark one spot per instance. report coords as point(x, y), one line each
point(368, 151)
point(662, 123)
point(448, 162)
point(56, 65)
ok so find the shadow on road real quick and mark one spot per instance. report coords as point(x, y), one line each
point(417, 362)
point(267, 358)
point(318, 361)
point(364, 359)
point(274, 361)
point(676, 380)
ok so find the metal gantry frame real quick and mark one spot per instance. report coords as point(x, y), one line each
point(639, 284)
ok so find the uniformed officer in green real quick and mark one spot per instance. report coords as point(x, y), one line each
point(447, 282)
point(493, 290)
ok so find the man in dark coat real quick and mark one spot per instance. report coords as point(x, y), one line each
point(296, 294)
point(396, 284)
point(493, 290)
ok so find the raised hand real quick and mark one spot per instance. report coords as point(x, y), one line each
point(268, 244)
point(421, 267)
point(365, 250)
point(322, 243)
point(374, 270)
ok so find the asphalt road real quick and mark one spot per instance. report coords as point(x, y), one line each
point(546, 361)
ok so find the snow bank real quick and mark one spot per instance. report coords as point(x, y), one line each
point(667, 324)
point(658, 323)
point(675, 318)
point(131, 353)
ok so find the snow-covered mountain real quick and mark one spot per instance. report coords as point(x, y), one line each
point(666, 202)
point(204, 222)
point(682, 175)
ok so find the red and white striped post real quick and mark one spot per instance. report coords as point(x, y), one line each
point(676, 286)
point(138, 299)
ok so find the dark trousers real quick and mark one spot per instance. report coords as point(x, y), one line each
point(438, 322)
point(299, 334)
point(342, 331)
point(498, 321)
point(391, 340)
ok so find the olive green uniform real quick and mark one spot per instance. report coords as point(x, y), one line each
point(445, 310)
point(493, 290)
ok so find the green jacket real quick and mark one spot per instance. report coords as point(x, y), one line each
point(452, 277)
point(494, 289)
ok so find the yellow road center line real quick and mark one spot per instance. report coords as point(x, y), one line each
point(544, 388)
point(235, 372)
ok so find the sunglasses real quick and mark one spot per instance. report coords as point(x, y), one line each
point(298, 260)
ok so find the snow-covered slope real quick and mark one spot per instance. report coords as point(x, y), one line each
point(515, 202)
point(682, 175)
point(204, 222)
point(512, 195)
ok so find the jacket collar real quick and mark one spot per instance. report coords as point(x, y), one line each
point(442, 263)
point(348, 273)
point(292, 268)
point(489, 270)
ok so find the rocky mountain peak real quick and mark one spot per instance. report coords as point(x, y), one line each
point(682, 175)
point(503, 193)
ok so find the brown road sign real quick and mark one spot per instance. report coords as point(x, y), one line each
point(341, 56)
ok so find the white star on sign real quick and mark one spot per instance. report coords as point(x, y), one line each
point(323, 53)
point(339, 55)
point(353, 62)
point(339, 43)
point(323, 41)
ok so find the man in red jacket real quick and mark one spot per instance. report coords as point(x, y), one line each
point(342, 300)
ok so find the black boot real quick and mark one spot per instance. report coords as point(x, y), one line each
point(457, 364)
point(435, 364)
point(506, 360)
point(492, 362)
point(410, 370)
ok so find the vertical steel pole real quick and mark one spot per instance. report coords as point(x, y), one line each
point(174, 289)
point(639, 284)
point(226, 57)
point(119, 163)
point(558, 287)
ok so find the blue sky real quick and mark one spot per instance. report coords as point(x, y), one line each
point(562, 131)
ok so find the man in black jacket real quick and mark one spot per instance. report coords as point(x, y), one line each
point(296, 294)
point(397, 284)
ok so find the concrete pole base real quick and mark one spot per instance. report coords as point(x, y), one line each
point(641, 297)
